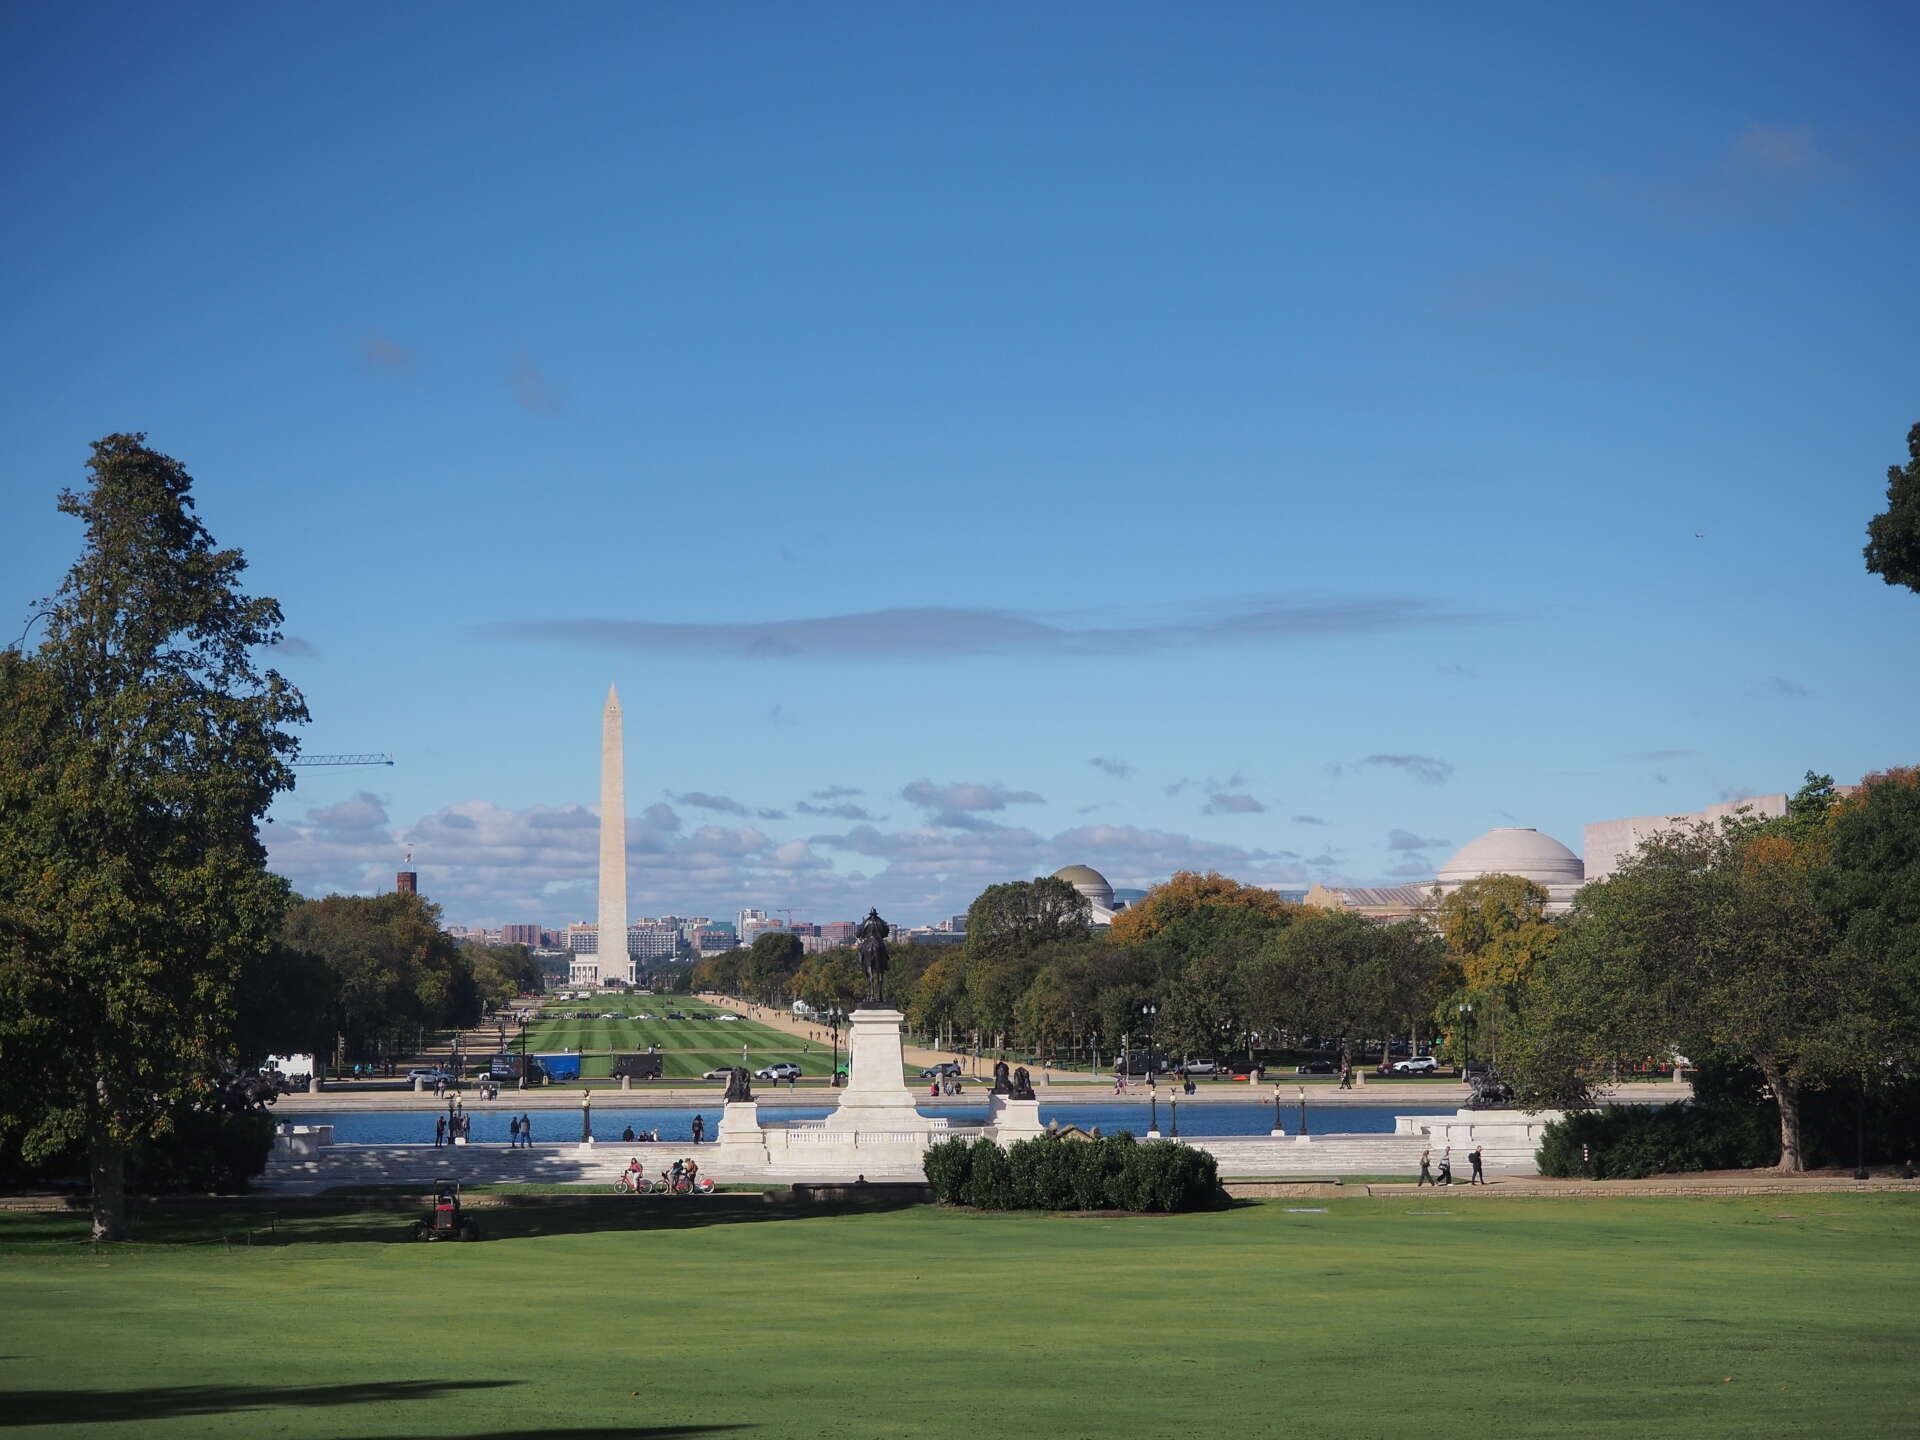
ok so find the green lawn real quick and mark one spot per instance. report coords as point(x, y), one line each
point(688, 1047)
point(1763, 1317)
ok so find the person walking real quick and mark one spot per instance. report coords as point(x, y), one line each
point(513, 1132)
point(699, 1128)
point(1446, 1167)
point(1479, 1175)
point(439, 1130)
point(526, 1131)
point(1426, 1170)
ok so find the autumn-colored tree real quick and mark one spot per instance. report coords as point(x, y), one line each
point(1496, 930)
point(1189, 894)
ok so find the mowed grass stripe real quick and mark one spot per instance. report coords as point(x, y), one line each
point(1592, 1318)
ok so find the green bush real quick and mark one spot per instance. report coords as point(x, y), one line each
point(1630, 1142)
point(1046, 1173)
point(947, 1165)
point(989, 1178)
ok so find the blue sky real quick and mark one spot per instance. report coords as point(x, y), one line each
point(1229, 436)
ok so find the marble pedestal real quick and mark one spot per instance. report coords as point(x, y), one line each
point(740, 1136)
point(875, 1096)
point(1009, 1120)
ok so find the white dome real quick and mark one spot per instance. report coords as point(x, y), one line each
point(1526, 853)
point(1089, 882)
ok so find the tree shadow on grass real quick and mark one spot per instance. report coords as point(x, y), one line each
point(165, 1402)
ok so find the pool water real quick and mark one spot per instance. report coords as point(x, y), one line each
point(490, 1123)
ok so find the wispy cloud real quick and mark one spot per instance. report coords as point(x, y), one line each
point(1776, 150)
point(1309, 820)
point(532, 390)
point(1425, 768)
point(1234, 804)
point(1414, 867)
point(383, 356)
point(959, 805)
point(1115, 769)
point(1458, 672)
point(842, 810)
point(1407, 840)
point(937, 632)
point(726, 805)
point(1779, 687)
point(1652, 755)
point(836, 792)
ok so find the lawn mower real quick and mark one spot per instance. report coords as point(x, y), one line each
point(444, 1221)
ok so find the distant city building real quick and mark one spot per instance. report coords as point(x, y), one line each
point(583, 937)
point(407, 882)
point(528, 935)
point(1371, 902)
point(1511, 850)
point(815, 944)
point(710, 940)
point(840, 932)
point(652, 941)
point(745, 918)
point(956, 923)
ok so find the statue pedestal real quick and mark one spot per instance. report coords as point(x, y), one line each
point(740, 1137)
point(876, 1096)
point(1011, 1120)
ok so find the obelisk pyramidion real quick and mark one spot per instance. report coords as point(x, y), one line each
point(612, 941)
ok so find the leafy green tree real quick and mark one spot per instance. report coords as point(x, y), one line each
point(1021, 915)
point(1871, 889)
point(396, 972)
point(1893, 536)
point(938, 1000)
point(1334, 973)
point(1196, 903)
point(831, 980)
point(139, 748)
point(772, 961)
point(1708, 941)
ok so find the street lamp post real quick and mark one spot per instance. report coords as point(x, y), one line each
point(1278, 1128)
point(1303, 1110)
point(1465, 1013)
point(1147, 1012)
point(833, 1024)
point(1173, 1104)
point(1153, 1115)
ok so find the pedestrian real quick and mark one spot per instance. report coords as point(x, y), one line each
point(699, 1128)
point(1446, 1167)
point(1479, 1176)
point(526, 1130)
point(513, 1132)
point(439, 1130)
point(793, 1082)
point(1426, 1170)
point(627, 1135)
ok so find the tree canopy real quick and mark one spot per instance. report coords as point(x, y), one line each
point(1893, 536)
point(140, 745)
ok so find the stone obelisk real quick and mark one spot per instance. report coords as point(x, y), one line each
point(615, 963)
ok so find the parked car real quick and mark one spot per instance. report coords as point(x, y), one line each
point(675, 1015)
point(1202, 1067)
point(946, 1069)
point(726, 1017)
point(431, 1075)
point(1318, 1067)
point(725, 1072)
point(779, 1070)
point(1418, 1065)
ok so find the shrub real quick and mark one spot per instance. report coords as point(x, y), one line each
point(1046, 1173)
point(947, 1165)
point(989, 1178)
point(1629, 1142)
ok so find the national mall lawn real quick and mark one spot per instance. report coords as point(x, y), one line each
point(1437, 1314)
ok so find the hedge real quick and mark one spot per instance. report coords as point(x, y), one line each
point(1046, 1173)
point(1630, 1142)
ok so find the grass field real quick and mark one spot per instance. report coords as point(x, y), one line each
point(1383, 1318)
point(688, 1047)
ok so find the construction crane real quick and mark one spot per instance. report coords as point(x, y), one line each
point(308, 760)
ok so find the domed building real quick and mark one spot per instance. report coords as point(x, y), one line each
point(1514, 850)
point(1511, 850)
point(1092, 884)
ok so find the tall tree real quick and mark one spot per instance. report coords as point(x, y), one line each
point(1021, 915)
point(1334, 973)
point(1709, 941)
point(139, 748)
point(1192, 901)
point(1893, 536)
point(1497, 931)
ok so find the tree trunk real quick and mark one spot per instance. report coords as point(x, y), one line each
point(107, 1170)
point(1786, 1095)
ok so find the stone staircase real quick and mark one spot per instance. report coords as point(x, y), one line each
point(1250, 1156)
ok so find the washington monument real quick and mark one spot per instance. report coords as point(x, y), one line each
point(615, 963)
